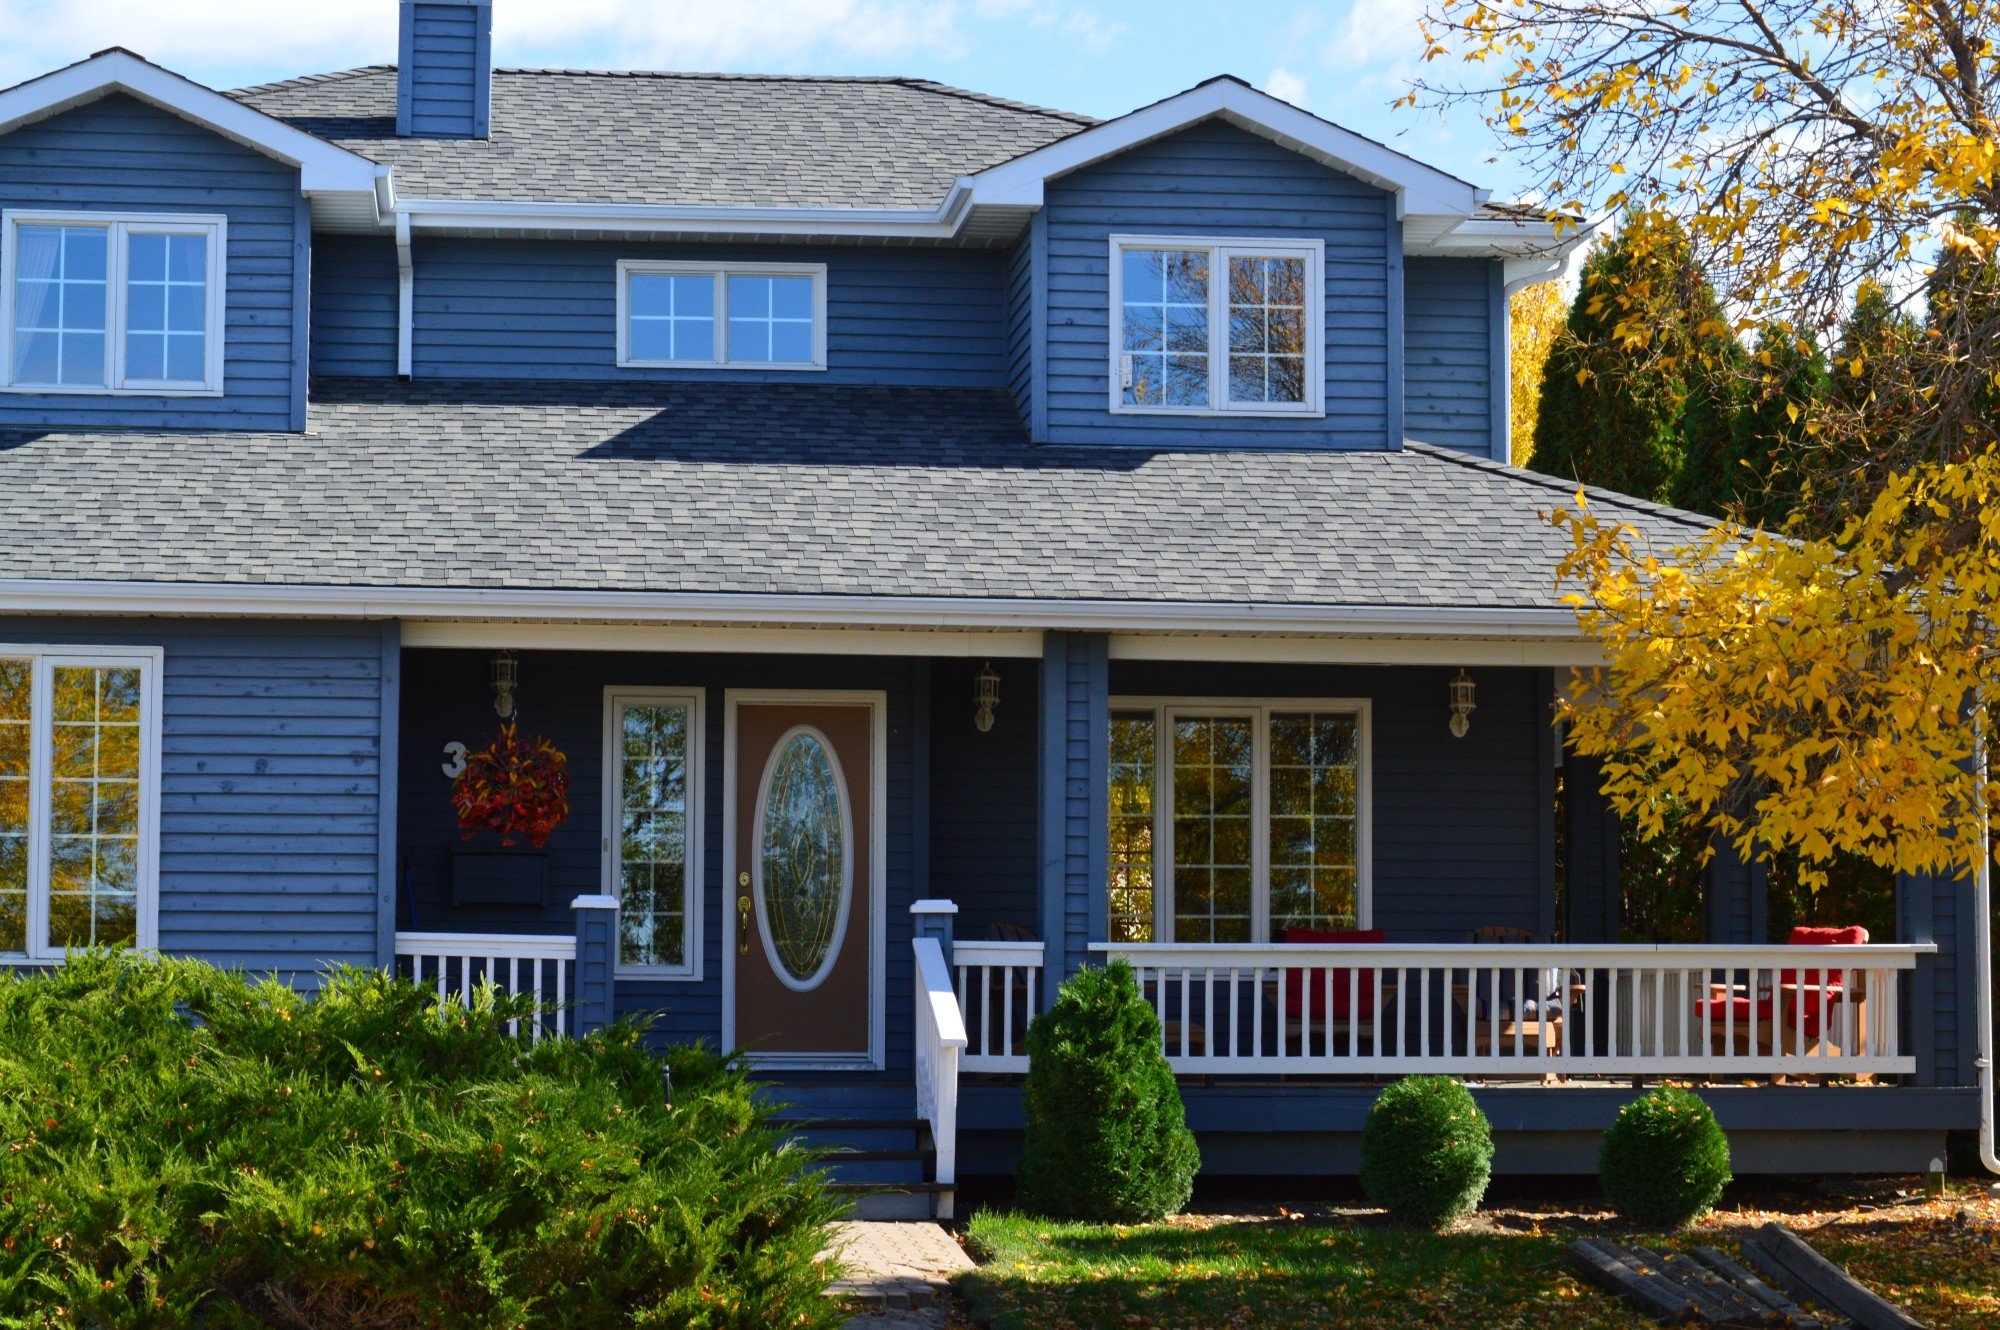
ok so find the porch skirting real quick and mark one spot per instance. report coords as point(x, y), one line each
point(1291, 1128)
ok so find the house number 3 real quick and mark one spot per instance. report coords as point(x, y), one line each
point(456, 767)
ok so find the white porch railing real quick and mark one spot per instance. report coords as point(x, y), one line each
point(457, 963)
point(1508, 1009)
point(940, 1040)
point(999, 991)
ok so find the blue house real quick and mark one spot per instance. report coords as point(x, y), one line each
point(950, 541)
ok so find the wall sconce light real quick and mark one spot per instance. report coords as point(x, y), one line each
point(986, 693)
point(506, 675)
point(1461, 704)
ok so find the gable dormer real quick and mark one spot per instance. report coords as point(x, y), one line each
point(155, 247)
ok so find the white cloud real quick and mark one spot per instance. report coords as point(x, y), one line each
point(702, 34)
point(1286, 86)
point(1380, 38)
point(215, 41)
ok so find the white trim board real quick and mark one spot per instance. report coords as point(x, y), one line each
point(323, 168)
point(878, 870)
point(734, 609)
point(1419, 189)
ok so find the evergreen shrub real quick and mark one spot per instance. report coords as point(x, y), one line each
point(1426, 1151)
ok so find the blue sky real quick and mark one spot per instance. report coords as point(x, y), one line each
point(1346, 60)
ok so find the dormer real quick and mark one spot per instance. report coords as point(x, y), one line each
point(155, 247)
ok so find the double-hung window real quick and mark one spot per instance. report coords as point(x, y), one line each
point(652, 831)
point(79, 764)
point(111, 303)
point(1216, 327)
point(1233, 822)
point(677, 315)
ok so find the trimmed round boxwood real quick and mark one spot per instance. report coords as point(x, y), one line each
point(1665, 1161)
point(1426, 1151)
point(1106, 1137)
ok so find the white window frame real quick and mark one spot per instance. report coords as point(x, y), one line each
point(120, 225)
point(1220, 250)
point(721, 273)
point(43, 661)
point(1165, 710)
point(616, 699)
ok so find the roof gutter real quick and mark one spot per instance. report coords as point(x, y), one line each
point(38, 596)
point(508, 217)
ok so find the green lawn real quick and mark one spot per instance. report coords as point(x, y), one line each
point(1506, 1268)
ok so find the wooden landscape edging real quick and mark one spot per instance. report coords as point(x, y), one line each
point(1784, 1256)
point(1707, 1288)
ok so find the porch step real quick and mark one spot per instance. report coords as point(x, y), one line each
point(869, 1143)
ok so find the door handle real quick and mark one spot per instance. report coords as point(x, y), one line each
point(743, 917)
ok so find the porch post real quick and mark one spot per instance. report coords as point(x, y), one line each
point(1073, 766)
point(596, 962)
point(1590, 853)
point(935, 919)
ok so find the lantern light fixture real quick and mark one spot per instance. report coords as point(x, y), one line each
point(986, 694)
point(506, 677)
point(1461, 704)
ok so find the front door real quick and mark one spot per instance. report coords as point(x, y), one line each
point(806, 877)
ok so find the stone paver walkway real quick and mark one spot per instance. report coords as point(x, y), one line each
point(895, 1266)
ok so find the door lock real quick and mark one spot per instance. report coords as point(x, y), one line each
point(743, 918)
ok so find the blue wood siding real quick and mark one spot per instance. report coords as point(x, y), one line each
point(548, 310)
point(983, 798)
point(1217, 180)
point(1457, 822)
point(1939, 1010)
point(1451, 372)
point(270, 786)
point(354, 306)
point(447, 696)
point(445, 55)
point(1073, 757)
point(1021, 324)
point(118, 154)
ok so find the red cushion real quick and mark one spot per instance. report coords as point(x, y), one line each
point(1806, 935)
point(1723, 1008)
point(1355, 998)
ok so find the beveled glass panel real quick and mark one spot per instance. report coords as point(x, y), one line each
point(803, 855)
point(653, 827)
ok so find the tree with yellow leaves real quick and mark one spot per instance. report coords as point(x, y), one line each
point(1535, 315)
point(1821, 693)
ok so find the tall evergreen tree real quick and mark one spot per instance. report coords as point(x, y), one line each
point(1618, 382)
point(1789, 382)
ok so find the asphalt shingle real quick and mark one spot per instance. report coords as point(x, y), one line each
point(720, 140)
point(772, 489)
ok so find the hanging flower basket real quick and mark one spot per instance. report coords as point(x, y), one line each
point(518, 788)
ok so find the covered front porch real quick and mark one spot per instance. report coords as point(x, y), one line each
point(1319, 883)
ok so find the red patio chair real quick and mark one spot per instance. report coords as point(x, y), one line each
point(1353, 1000)
point(1811, 1003)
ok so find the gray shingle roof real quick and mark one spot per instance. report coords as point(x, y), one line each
point(561, 135)
point(771, 489)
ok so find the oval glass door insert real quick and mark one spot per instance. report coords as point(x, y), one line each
point(803, 858)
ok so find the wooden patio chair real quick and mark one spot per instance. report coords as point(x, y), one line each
point(1535, 1014)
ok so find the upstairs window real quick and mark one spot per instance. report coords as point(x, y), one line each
point(674, 315)
point(101, 303)
point(1216, 327)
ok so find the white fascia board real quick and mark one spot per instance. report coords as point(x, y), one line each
point(1493, 238)
point(323, 167)
point(438, 214)
point(1419, 189)
point(40, 596)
